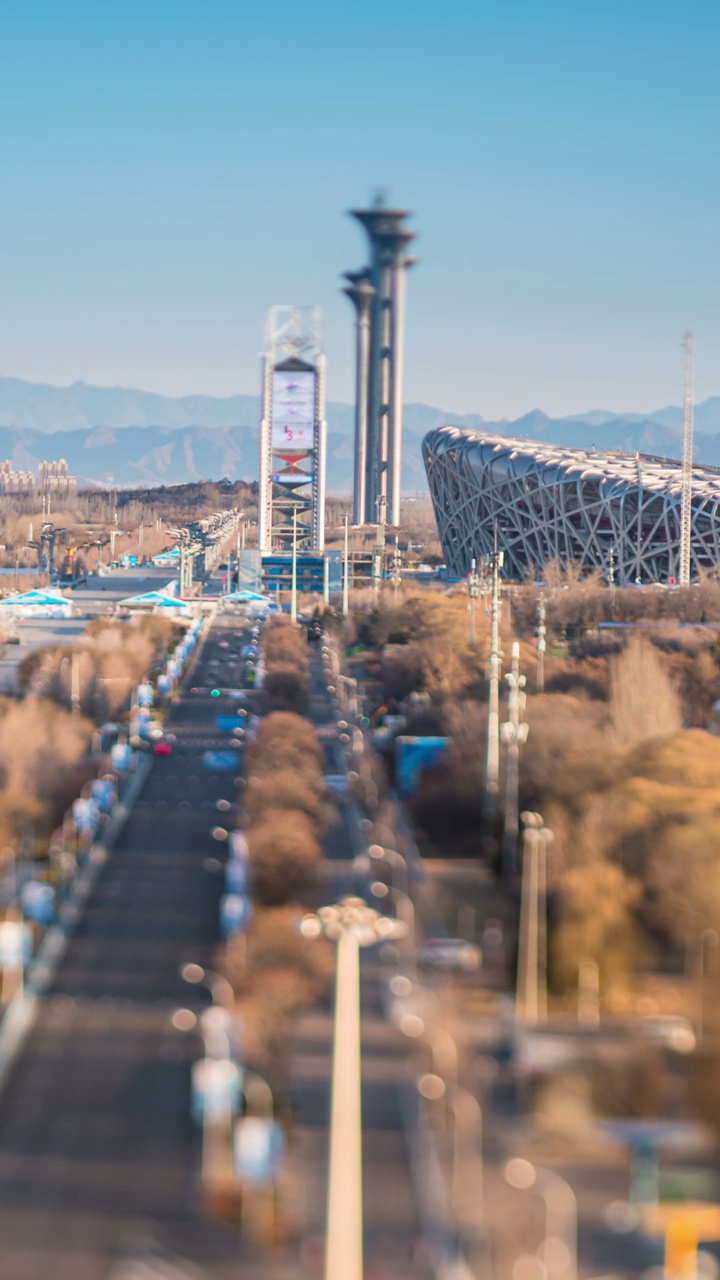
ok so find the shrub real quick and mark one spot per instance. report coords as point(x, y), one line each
point(281, 790)
point(286, 689)
point(274, 972)
point(285, 741)
point(285, 856)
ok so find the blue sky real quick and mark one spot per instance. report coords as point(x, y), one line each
point(169, 171)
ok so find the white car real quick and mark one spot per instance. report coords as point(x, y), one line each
point(450, 953)
point(670, 1031)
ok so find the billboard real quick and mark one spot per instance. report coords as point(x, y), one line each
point(293, 410)
point(412, 755)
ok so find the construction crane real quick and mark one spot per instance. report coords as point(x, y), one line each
point(687, 454)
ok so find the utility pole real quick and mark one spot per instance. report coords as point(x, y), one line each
point(293, 593)
point(541, 643)
point(346, 573)
point(492, 772)
point(531, 1000)
point(473, 592)
point(687, 453)
point(514, 734)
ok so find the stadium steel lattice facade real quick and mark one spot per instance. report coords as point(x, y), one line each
point(616, 512)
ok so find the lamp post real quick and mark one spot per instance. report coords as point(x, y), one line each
point(352, 925)
point(541, 644)
point(381, 854)
point(218, 986)
point(405, 911)
point(473, 592)
point(350, 701)
point(396, 571)
point(559, 1248)
point(531, 1001)
point(492, 772)
point(346, 572)
point(514, 734)
point(442, 1045)
point(467, 1130)
point(293, 592)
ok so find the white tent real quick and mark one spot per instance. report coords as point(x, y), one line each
point(38, 604)
point(156, 602)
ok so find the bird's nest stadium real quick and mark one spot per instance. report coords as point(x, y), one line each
point(571, 505)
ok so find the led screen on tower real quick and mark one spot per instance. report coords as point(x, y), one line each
point(293, 410)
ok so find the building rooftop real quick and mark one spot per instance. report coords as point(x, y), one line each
point(660, 474)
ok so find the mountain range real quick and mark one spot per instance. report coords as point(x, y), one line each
point(121, 436)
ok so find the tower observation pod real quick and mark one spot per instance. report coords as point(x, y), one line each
point(378, 295)
point(293, 433)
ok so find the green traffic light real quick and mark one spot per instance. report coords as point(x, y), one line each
point(215, 693)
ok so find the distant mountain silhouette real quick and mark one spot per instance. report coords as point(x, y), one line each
point(121, 436)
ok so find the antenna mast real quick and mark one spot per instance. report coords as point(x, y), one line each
point(687, 453)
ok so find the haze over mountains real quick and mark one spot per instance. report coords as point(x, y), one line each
point(121, 436)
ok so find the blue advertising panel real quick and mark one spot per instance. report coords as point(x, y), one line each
point(412, 755)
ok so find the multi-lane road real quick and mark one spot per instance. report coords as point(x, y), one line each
point(97, 1147)
point(99, 1156)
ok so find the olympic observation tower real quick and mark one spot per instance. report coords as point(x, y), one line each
point(293, 433)
point(378, 295)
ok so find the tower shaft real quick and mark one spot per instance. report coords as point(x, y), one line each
point(380, 356)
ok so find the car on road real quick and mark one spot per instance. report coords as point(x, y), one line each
point(669, 1031)
point(452, 954)
point(337, 783)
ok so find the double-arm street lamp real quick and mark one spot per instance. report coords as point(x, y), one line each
point(351, 924)
point(559, 1248)
point(531, 1003)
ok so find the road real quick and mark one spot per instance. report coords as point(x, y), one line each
point(97, 1147)
point(392, 1231)
point(90, 599)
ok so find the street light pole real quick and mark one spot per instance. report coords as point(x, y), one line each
point(531, 1002)
point(492, 773)
point(541, 643)
point(405, 909)
point(473, 589)
point(559, 1249)
point(379, 852)
point(75, 682)
point(293, 592)
point(346, 570)
point(351, 924)
point(396, 577)
point(514, 734)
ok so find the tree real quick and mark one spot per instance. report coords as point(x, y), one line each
point(597, 900)
point(643, 702)
point(285, 857)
